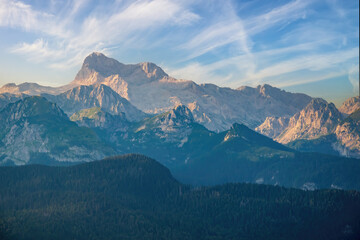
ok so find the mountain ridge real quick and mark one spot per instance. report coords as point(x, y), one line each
point(151, 90)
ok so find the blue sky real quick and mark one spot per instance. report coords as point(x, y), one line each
point(309, 46)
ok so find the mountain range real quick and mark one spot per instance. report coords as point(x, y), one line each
point(38, 131)
point(150, 89)
point(203, 133)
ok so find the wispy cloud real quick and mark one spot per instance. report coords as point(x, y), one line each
point(38, 50)
point(96, 32)
point(18, 14)
point(309, 62)
point(282, 15)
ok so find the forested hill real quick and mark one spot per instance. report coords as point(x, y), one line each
point(135, 197)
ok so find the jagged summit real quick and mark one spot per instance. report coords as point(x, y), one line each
point(98, 63)
point(180, 114)
point(316, 119)
point(152, 70)
point(350, 105)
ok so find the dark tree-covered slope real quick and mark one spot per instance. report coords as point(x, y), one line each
point(135, 197)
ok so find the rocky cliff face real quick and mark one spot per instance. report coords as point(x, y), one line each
point(172, 126)
point(36, 130)
point(348, 135)
point(83, 97)
point(316, 119)
point(272, 127)
point(350, 106)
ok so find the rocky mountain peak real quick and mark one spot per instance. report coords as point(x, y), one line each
point(273, 126)
point(98, 62)
point(152, 70)
point(178, 116)
point(247, 136)
point(98, 68)
point(316, 119)
point(267, 89)
point(318, 103)
point(237, 130)
point(350, 105)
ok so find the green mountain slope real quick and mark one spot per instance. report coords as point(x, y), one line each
point(134, 197)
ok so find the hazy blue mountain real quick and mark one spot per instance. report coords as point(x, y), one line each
point(327, 144)
point(36, 130)
point(199, 156)
point(134, 197)
point(242, 155)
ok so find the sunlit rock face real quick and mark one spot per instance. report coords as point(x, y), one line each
point(272, 126)
point(153, 91)
point(316, 119)
point(348, 134)
point(350, 105)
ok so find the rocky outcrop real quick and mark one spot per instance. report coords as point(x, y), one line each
point(348, 135)
point(316, 119)
point(272, 126)
point(350, 105)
